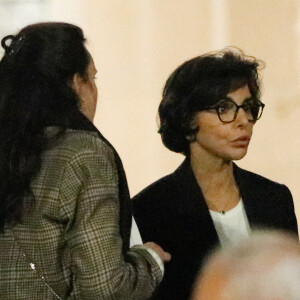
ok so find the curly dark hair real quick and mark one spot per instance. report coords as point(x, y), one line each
point(198, 83)
point(35, 74)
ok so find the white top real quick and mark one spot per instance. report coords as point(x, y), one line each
point(135, 236)
point(232, 226)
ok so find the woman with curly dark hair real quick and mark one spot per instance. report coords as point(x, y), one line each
point(209, 107)
point(65, 212)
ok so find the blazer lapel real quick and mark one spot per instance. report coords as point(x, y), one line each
point(191, 202)
point(251, 200)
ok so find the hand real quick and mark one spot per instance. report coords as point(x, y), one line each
point(165, 256)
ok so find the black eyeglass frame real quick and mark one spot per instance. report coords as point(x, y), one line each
point(243, 106)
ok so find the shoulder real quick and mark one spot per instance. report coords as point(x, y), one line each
point(76, 143)
point(160, 189)
point(78, 154)
point(260, 186)
point(256, 179)
point(168, 190)
point(81, 140)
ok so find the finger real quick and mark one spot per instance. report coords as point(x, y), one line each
point(167, 256)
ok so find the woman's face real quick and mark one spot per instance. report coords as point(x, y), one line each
point(87, 91)
point(227, 141)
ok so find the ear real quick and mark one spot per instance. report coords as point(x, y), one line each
point(76, 84)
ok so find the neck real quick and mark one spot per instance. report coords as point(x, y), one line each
point(215, 178)
point(206, 165)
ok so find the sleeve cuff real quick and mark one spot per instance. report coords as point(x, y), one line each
point(155, 256)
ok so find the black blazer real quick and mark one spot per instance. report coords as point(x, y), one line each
point(172, 212)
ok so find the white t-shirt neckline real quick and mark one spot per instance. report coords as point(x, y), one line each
point(232, 226)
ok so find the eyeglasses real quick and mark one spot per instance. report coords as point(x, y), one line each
point(227, 109)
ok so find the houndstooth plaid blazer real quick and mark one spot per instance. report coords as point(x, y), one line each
point(73, 235)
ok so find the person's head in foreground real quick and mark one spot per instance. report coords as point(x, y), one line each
point(265, 266)
point(209, 101)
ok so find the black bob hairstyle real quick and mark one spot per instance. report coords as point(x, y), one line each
point(198, 83)
point(35, 92)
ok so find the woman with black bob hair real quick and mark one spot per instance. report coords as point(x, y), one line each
point(65, 214)
point(209, 107)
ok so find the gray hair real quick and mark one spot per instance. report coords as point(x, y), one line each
point(263, 267)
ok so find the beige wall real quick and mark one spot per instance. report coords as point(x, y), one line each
point(137, 44)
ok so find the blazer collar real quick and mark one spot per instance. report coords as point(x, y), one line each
point(186, 179)
point(192, 197)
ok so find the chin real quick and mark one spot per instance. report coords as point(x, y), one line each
point(237, 154)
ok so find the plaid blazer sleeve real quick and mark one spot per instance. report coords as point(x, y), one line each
point(92, 232)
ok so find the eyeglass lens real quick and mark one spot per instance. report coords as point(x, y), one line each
point(228, 110)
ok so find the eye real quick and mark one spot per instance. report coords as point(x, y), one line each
point(251, 104)
point(225, 106)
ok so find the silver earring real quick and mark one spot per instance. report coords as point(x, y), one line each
point(82, 104)
point(190, 138)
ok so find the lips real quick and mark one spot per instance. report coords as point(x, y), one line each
point(242, 141)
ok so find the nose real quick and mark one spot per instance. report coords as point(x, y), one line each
point(242, 117)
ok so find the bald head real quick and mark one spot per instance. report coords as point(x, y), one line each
point(264, 267)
